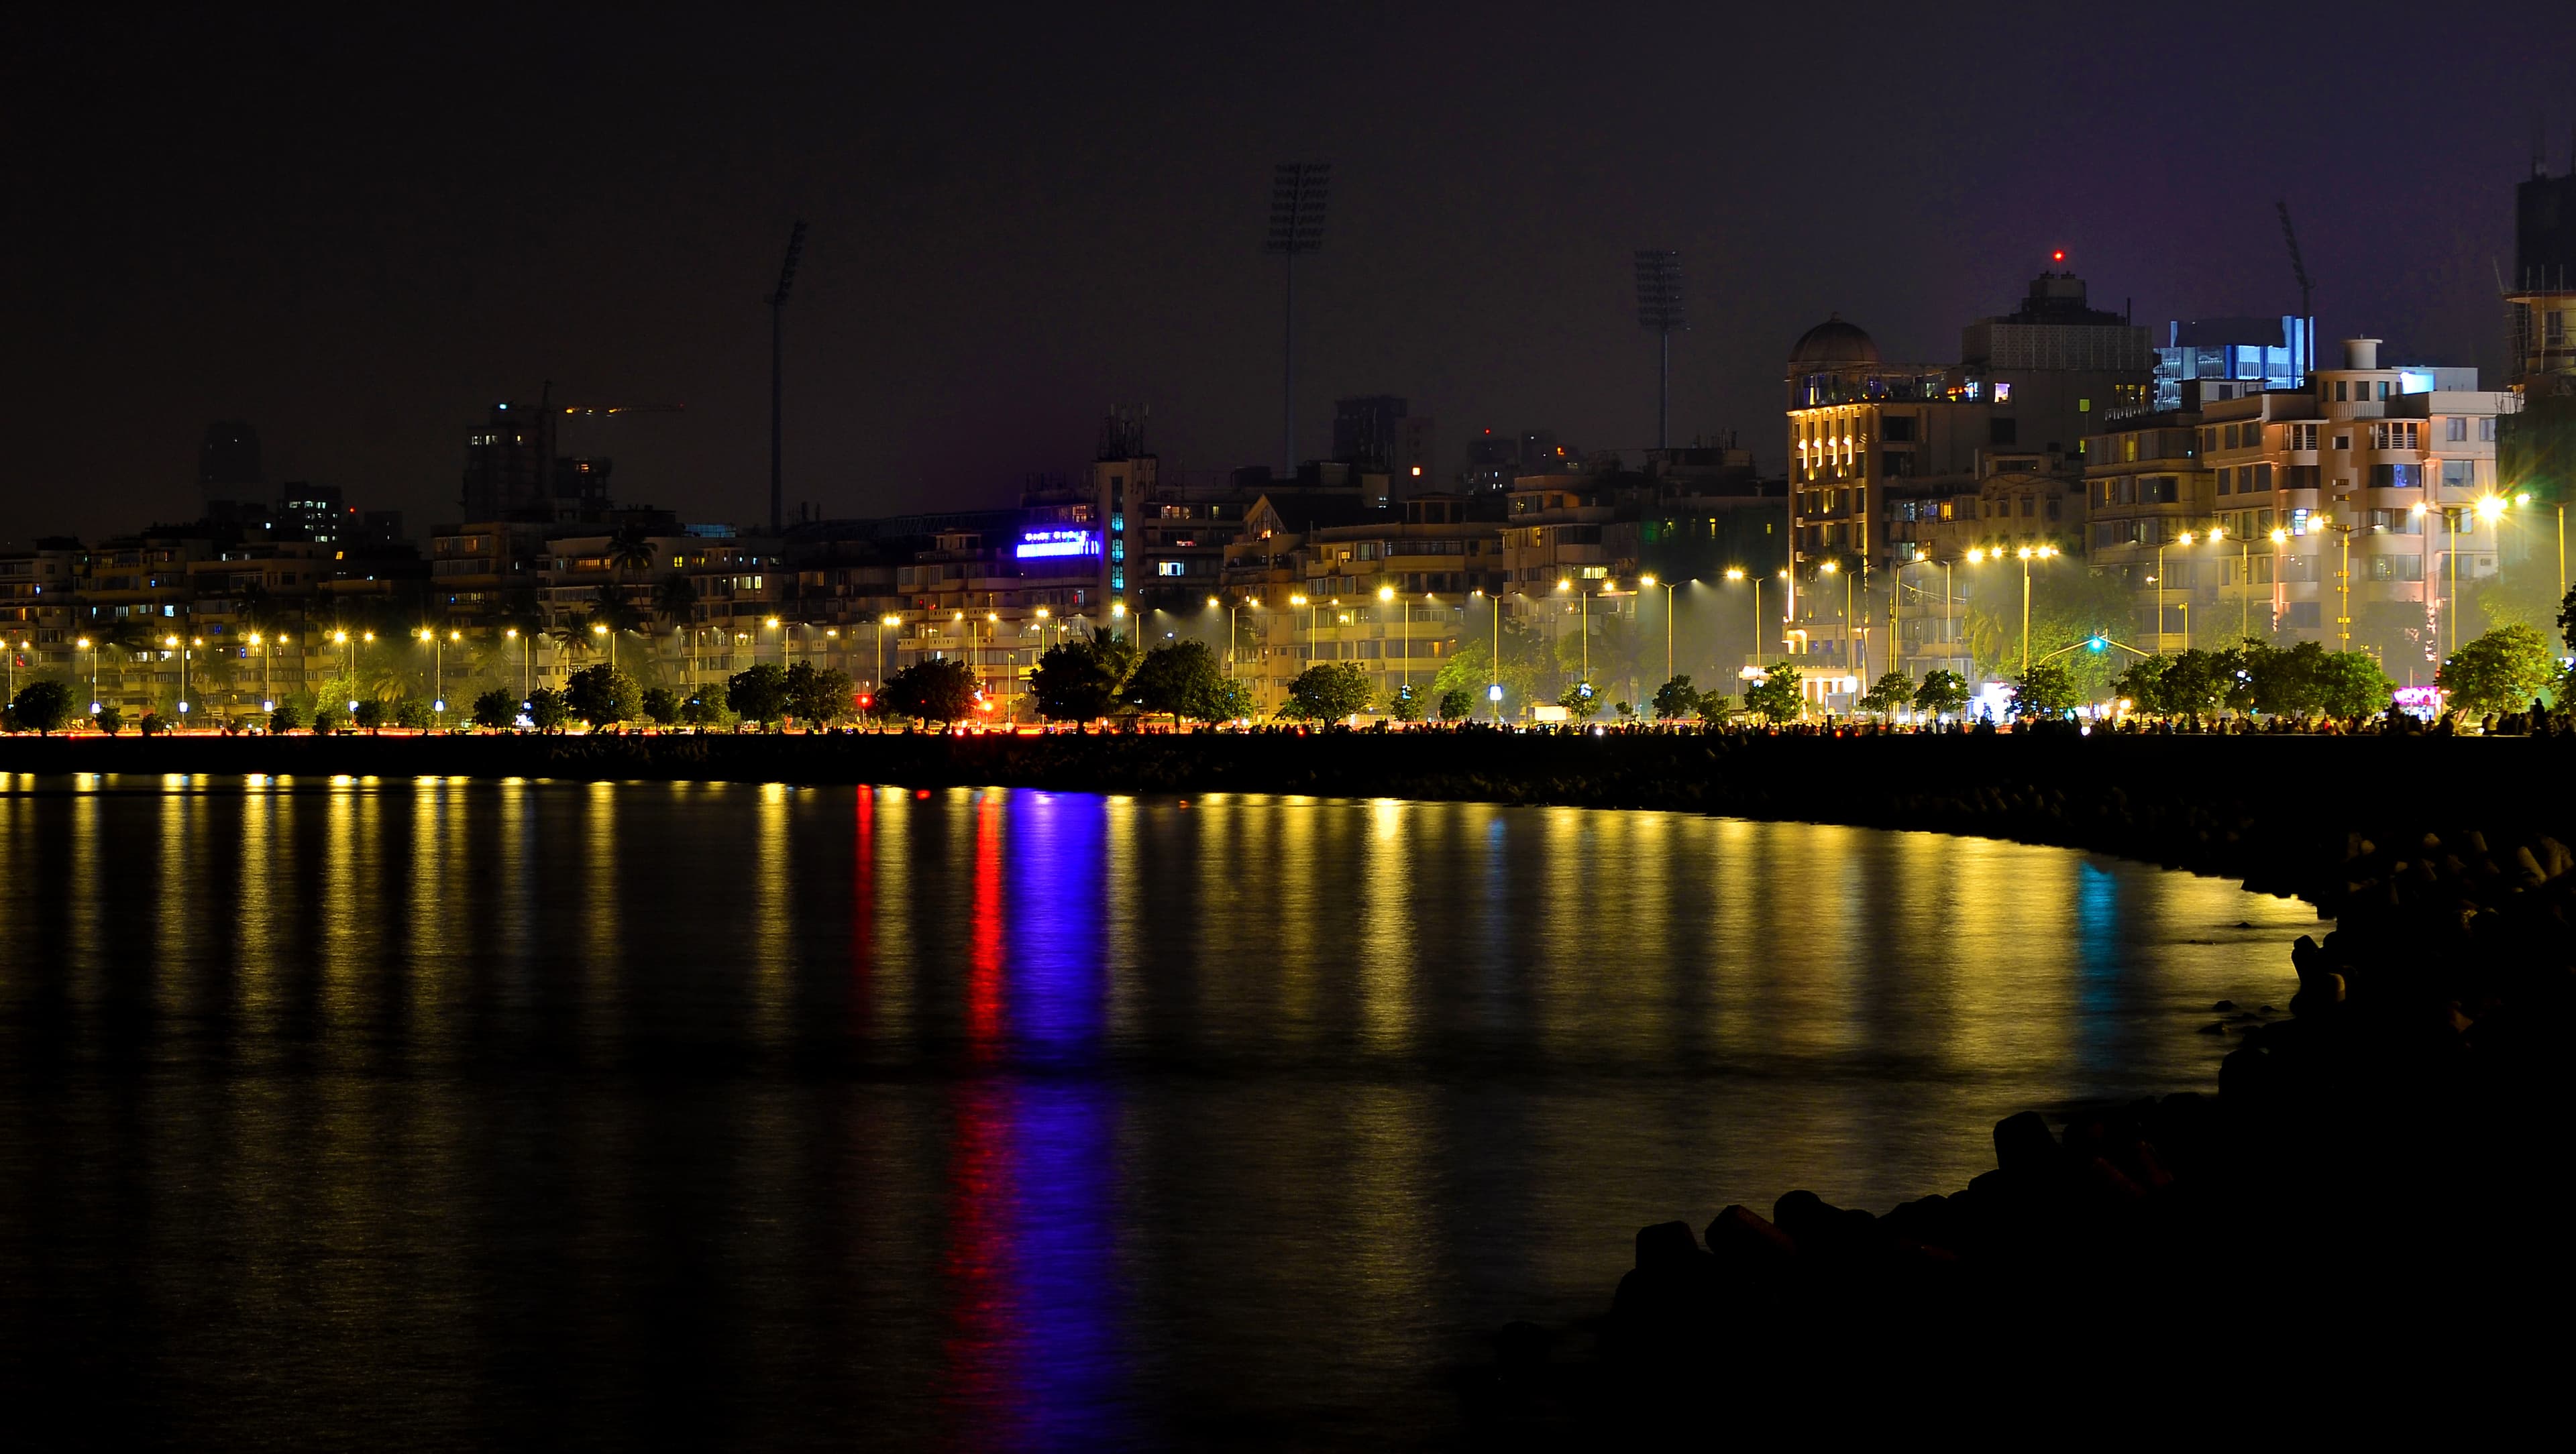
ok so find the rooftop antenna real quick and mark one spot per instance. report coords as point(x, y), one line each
point(2299, 270)
point(1659, 307)
point(777, 361)
point(1297, 191)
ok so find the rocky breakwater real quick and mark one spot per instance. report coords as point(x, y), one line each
point(2374, 1190)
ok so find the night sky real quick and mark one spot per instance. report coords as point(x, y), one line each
point(360, 238)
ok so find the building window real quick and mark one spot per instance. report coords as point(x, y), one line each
point(2486, 430)
point(2455, 429)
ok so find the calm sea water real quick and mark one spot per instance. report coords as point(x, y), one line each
point(436, 1113)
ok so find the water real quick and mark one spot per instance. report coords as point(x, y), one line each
point(434, 1113)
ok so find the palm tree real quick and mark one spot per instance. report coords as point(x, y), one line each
point(572, 634)
point(675, 600)
point(630, 550)
point(611, 609)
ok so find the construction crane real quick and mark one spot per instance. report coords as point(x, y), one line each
point(2299, 270)
point(777, 363)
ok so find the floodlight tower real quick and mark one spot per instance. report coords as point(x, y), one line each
point(777, 360)
point(1296, 228)
point(1659, 307)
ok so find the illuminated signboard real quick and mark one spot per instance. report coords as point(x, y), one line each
point(1040, 544)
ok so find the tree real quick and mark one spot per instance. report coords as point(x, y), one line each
point(2068, 604)
point(1078, 680)
point(2350, 684)
point(44, 705)
point(758, 693)
point(2047, 689)
point(549, 710)
point(152, 725)
point(1944, 693)
point(1776, 698)
point(415, 714)
point(602, 695)
point(630, 550)
point(1403, 705)
point(610, 608)
point(675, 600)
point(496, 709)
point(1715, 706)
point(370, 715)
point(697, 711)
point(661, 706)
point(1675, 698)
point(286, 718)
point(1328, 691)
point(2502, 671)
point(1177, 677)
point(940, 690)
point(1230, 699)
point(1471, 667)
point(1893, 692)
point(109, 720)
point(1457, 704)
point(2282, 681)
point(2567, 619)
point(816, 698)
point(1580, 701)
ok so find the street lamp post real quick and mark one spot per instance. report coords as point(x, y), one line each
point(93, 674)
point(173, 643)
point(1835, 568)
point(2343, 577)
point(1668, 621)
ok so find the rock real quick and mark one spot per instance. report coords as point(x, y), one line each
point(1665, 1244)
point(1522, 1345)
point(2022, 1143)
point(1742, 1236)
point(2222, 1007)
point(2212, 1028)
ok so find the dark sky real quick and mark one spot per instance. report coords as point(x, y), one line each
point(359, 238)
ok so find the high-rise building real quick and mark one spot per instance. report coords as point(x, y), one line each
point(2537, 450)
point(2054, 365)
point(228, 466)
point(512, 471)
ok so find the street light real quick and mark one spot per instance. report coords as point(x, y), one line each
point(884, 621)
point(1649, 582)
point(527, 667)
point(171, 643)
point(2026, 554)
point(2183, 539)
point(2343, 578)
point(92, 648)
point(1832, 568)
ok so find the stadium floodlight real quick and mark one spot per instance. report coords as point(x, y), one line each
point(1659, 307)
point(1297, 192)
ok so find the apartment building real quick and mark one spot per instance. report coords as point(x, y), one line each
point(2360, 502)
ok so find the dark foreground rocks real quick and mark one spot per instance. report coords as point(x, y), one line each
point(2367, 1226)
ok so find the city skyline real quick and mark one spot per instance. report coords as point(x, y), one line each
point(373, 304)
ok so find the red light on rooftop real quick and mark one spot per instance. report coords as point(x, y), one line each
point(2058, 256)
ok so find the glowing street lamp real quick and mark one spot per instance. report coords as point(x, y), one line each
point(1649, 582)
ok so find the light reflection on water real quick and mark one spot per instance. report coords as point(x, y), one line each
point(707, 1113)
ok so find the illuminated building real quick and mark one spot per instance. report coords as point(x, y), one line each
point(2401, 456)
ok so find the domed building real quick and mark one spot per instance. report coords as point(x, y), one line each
point(1833, 342)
